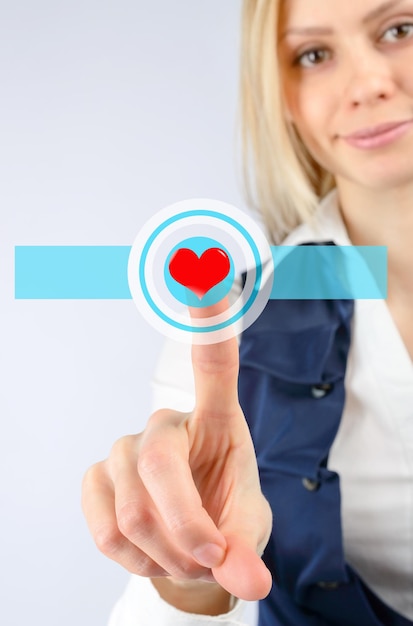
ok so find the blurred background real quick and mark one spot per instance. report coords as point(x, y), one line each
point(109, 111)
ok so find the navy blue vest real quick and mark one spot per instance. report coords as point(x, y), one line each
point(291, 387)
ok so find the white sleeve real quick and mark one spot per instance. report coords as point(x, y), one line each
point(173, 384)
point(141, 605)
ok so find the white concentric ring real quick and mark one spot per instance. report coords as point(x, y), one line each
point(236, 231)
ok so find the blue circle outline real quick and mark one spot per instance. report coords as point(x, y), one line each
point(195, 213)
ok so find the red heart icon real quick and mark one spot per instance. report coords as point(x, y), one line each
point(199, 274)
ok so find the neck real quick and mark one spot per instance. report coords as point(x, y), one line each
point(383, 218)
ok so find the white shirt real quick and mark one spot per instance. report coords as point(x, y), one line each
point(372, 452)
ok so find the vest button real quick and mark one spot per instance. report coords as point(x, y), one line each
point(319, 391)
point(310, 485)
point(327, 584)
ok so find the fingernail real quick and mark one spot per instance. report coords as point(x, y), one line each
point(209, 555)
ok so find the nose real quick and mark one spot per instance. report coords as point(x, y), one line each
point(371, 77)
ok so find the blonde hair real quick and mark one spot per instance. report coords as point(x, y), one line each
point(281, 178)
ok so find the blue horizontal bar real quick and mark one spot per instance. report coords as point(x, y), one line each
point(101, 272)
point(329, 272)
point(72, 272)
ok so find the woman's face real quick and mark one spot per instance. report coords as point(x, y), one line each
point(353, 71)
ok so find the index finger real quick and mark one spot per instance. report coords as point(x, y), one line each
point(216, 368)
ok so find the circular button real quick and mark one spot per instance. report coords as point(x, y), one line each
point(319, 391)
point(311, 485)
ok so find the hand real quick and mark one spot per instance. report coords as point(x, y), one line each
point(183, 498)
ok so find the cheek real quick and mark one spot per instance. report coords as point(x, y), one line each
point(408, 81)
point(312, 109)
point(311, 121)
point(309, 108)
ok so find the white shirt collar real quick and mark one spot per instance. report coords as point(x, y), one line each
point(326, 225)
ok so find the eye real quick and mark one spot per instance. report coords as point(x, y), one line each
point(399, 31)
point(311, 57)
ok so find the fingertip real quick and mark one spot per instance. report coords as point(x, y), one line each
point(243, 573)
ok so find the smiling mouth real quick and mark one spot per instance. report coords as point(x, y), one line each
point(378, 136)
point(374, 131)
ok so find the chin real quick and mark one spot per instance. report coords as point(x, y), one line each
point(390, 177)
point(382, 176)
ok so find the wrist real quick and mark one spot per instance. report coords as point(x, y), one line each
point(194, 596)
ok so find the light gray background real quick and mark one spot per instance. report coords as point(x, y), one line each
point(109, 111)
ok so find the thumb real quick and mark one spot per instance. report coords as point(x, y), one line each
point(243, 573)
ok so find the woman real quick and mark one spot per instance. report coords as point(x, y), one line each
point(326, 386)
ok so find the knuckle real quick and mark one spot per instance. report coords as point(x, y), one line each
point(159, 418)
point(93, 475)
point(165, 418)
point(134, 521)
point(93, 478)
point(154, 460)
point(108, 539)
point(122, 446)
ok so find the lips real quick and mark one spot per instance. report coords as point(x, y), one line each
point(373, 131)
point(379, 136)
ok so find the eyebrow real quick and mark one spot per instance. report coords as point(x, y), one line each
point(320, 30)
